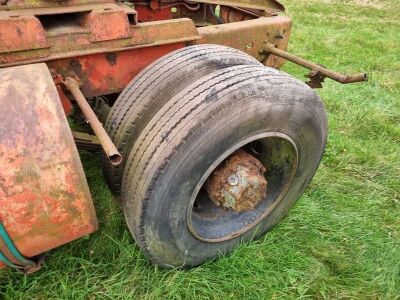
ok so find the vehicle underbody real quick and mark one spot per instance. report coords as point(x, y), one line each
point(55, 54)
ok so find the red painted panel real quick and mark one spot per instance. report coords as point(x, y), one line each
point(107, 73)
point(108, 25)
point(146, 14)
point(21, 33)
point(44, 198)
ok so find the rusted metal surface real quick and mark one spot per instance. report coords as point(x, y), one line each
point(248, 36)
point(27, 4)
point(147, 14)
point(316, 79)
point(72, 84)
point(55, 10)
point(107, 73)
point(66, 103)
point(18, 4)
point(44, 198)
point(238, 183)
point(106, 66)
point(21, 33)
point(66, 43)
point(85, 141)
point(235, 14)
point(269, 5)
point(344, 79)
point(106, 25)
point(105, 51)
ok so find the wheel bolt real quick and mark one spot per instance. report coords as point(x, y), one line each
point(233, 179)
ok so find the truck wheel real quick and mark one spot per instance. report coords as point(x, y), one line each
point(154, 86)
point(221, 162)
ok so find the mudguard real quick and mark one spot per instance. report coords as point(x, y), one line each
point(44, 197)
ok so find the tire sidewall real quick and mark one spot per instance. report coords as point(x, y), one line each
point(203, 60)
point(295, 112)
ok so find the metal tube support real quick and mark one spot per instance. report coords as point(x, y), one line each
point(72, 84)
point(269, 48)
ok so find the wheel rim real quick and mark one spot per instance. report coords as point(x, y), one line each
point(211, 223)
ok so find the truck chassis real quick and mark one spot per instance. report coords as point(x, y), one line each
point(56, 54)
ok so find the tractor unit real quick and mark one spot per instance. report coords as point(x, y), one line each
point(204, 142)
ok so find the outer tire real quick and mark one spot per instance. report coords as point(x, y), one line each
point(153, 87)
point(194, 128)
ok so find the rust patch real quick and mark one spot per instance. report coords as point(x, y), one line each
point(15, 4)
point(319, 72)
point(108, 25)
point(101, 32)
point(238, 183)
point(44, 198)
point(249, 36)
point(111, 58)
point(147, 14)
point(21, 33)
point(66, 103)
point(108, 73)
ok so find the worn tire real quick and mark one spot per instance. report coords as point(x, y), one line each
point(191, 131)
point(154, 86)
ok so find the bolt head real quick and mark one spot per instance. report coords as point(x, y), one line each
point(233, 179)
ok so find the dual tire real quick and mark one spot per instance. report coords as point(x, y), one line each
point(183, 116)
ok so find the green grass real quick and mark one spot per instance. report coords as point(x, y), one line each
point(342, 239)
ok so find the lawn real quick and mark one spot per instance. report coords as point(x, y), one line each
point(341, 240)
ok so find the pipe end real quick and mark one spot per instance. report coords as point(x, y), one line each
point(115, 159)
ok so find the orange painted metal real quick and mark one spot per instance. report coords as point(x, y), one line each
point(105, 51)
point(44, 197)
point(16, 4)
point(65, 102)
point(107, 67)
point(147, 14)
point(64, 43)
point(250, 36)
point(106, 25)
point(106, 73)
point(21, 33)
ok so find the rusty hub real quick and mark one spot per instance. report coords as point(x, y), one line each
point(238, 183)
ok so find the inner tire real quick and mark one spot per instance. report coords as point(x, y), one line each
point(153, 87)
point(201, 125)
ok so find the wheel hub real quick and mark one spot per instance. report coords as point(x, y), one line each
point(238, 183)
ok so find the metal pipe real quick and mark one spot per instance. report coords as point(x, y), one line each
point(311, 66)
point(72, 84)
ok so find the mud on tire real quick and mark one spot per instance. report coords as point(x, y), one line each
point(153, 87)
point(195, 130)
